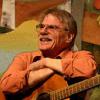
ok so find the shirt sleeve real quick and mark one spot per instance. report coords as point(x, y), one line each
point(15, 78)
point(81, 64)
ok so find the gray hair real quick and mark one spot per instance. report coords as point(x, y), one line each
point(65, 17)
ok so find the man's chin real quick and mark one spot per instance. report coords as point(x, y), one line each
point(44, 49)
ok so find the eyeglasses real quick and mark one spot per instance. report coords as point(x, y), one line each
point(50, 27)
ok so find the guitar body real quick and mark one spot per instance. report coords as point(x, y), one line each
point(56, 88)
point(53, 83)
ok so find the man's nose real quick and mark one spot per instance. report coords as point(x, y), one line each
point(44, 30)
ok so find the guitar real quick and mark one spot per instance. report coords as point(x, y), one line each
point(55, 88)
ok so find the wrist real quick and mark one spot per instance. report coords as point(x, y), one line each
point(54, 64)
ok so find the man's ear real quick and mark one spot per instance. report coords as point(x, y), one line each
point(69, 37)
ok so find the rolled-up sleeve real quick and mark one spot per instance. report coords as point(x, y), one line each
point(80, 64)
point(15, 78)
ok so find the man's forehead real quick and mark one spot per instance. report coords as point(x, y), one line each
point(51, 19)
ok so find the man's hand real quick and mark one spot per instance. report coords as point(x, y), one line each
point(54, 64)
point(38, 75)
point(38, 65)
point(38, 72)
point(42, 69)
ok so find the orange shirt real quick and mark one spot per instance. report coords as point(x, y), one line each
point(2, 96)
point(75, 64)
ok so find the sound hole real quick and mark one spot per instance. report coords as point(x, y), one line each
point(43, 96)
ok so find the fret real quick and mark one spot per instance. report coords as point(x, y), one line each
point(70, 90)
point(52, 95)
point(91, 82)
point(61, 93)
point(97, 80)
point(79, 87)
point(94, 81)
point(58, 95)
point(64, 91)
point(75, 88)
point(86, 84)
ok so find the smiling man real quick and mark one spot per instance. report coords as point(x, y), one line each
point(56, 33)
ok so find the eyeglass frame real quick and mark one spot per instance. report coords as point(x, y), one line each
point(50, 27)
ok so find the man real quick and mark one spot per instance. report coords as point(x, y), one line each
point(56, 32)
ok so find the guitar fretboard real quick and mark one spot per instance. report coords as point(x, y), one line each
point(75, 88)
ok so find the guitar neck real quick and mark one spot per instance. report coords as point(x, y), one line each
point(75, 88)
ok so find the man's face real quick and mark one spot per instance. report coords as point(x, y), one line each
point(52, 35)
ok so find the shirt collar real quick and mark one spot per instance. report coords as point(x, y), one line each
point(60, 56)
